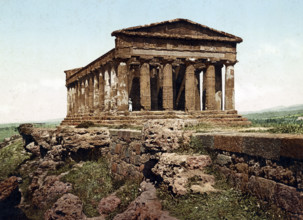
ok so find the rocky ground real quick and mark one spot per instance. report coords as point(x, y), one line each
point(64, 173)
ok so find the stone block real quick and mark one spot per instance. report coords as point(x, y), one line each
point(223, 159)
point(266, 147)
point(262, 188)
point(118, 148)
point(289, 198)
point(242, 168)
point(292, 148)
point(229, 143)
point(206, 140)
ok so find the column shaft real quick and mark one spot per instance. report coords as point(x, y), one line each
point(145, 99)
point(68, 101)
point(210, 88)
point(168, 103)
point(190, 88)
point(82, 97)
point(86, 97)
point(101, 91)
point(113, 89)
point(229, 88)
point(96, 93)
point(218, 87)
point(122, 90)
point(106, 91)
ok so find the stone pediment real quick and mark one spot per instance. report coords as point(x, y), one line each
point(180, 29)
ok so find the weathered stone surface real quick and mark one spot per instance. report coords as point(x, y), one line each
point(49, 190)
point(10, 198)
point(289, 198)
point(68, 207)
point(230, 143)
point(266, 147)
point(229, 88)
point(164, 135)
point(223, 159)
point(210, 88)
point(145, 97)
point(108, 204)
point(190, 88)
point(7, 187)
point(176, 170)
point(146, 206)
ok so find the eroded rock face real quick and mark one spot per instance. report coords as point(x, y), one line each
point(68, 207)
point(51, 188)
point(146, 206)
point(108, 204)
point(165, 135)
point(176, 170)
point(9, 199)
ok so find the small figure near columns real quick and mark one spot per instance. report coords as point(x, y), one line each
point(130, 105)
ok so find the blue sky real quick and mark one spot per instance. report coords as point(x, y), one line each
point(41, 38)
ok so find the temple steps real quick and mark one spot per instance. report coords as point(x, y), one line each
point(139, 117)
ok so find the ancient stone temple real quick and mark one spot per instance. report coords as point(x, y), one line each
point(170, 69)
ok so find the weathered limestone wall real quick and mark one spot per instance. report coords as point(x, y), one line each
point(267, 166)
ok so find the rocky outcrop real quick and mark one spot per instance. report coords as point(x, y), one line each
point(165, 135)
point(108, 204)
point(68, 207)
point(146, 206)
point(177, 171)
point(9, 140)
point(9, 199)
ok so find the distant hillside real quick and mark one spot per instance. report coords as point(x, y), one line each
point(293, 112)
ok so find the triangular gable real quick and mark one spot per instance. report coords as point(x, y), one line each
point(178, 28)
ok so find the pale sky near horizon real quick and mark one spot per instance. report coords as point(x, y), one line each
point(39, 39)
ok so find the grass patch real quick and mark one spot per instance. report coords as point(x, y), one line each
point(227, 203)
point(91, 182)
point(127, 193)
point(6, 132)
point(12, 156)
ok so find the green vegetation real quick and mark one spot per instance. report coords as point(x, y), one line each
point(8, 130)
point(278, 122)
point(92, 182)
point(227, 203)
point(12, 156)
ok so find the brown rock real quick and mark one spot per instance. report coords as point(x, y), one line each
point(262, 188)
point(49, 190)
point(146, 206)
point(108, 204)
point(289, 198)
point(7, 187)
point(68, 207)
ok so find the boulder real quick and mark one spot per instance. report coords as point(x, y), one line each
point(165, 135)
point(177, 171)
point(146, 206)
point(108, 204)
point(68, 207)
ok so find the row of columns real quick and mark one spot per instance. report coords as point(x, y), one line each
point(107, 89)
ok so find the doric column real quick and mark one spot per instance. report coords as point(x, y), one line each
point(218, 87)
point(190, 88)
point(229, 87)
point(106, 91)
point(210, 88)
point(113, 89)
point(91, 92)
point(168, 102)
point(101, 91)
point(82, 97)
point(86, 95)
point(145, 99)
point(76, 98)
point(122, 90)
point(96, 92)
point(68, 100)
point(72, 99)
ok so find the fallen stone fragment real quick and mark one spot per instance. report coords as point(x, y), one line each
point(68, 207)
